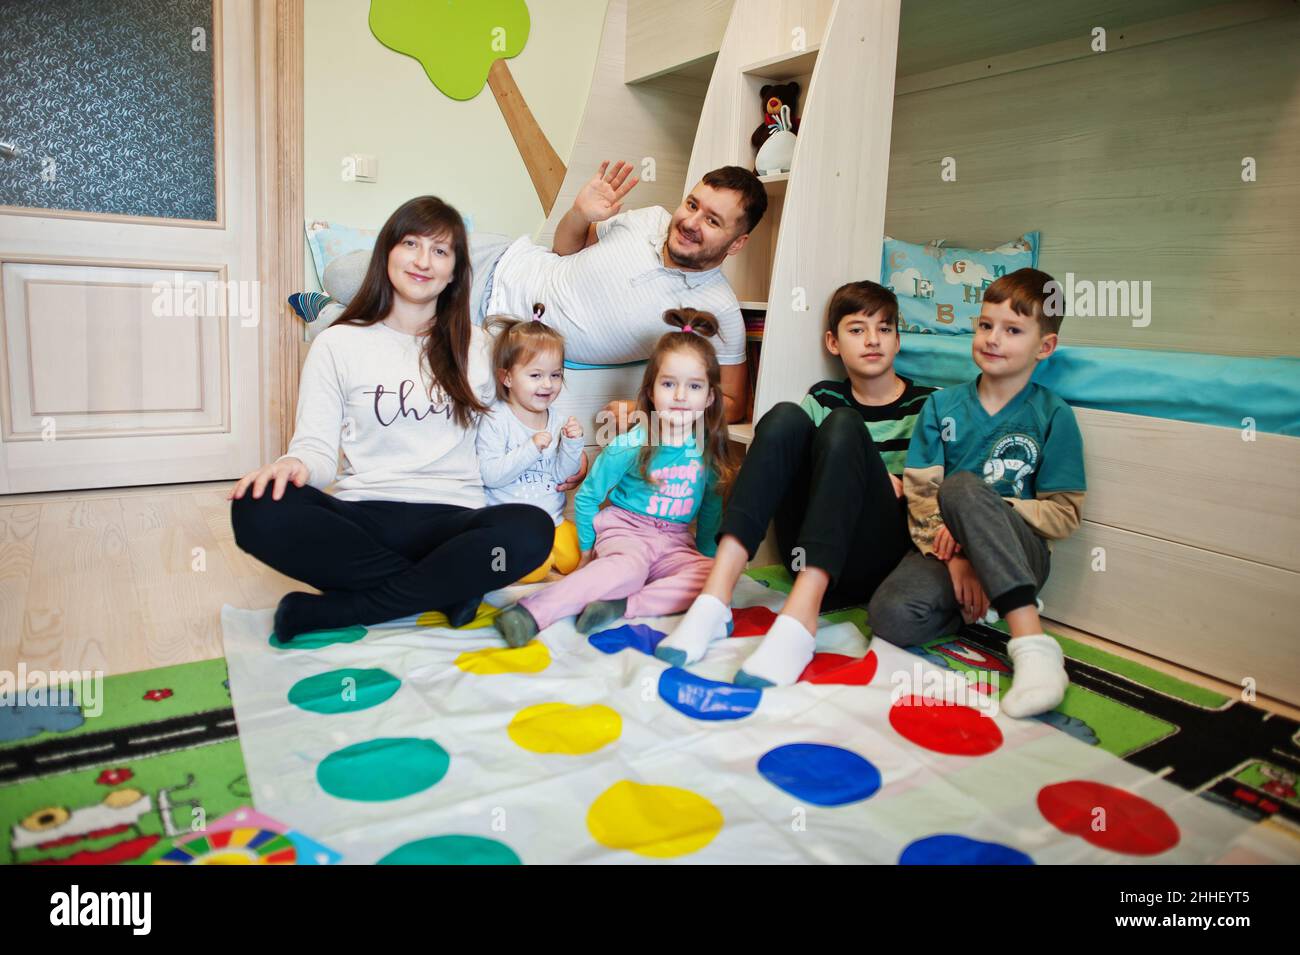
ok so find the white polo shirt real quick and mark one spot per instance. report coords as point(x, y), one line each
point(608, 300)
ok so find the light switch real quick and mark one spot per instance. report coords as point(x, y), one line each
point(364, 168)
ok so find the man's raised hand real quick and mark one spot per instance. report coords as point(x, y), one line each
point(602, 197)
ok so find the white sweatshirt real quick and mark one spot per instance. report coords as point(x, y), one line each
point(366, 387)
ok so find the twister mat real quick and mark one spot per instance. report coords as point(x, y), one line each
point(1221, 747)
point(409, 744)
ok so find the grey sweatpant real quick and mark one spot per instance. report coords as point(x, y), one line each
point(916, 603)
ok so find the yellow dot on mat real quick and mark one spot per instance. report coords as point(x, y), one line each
point(482, 618)
point(531, 658)
point(657, 821)
point(564, 728)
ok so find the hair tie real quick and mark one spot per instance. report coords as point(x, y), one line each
point(538, 311)
point(686, 328)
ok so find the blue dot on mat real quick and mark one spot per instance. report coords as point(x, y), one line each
point(703, 699)
point(960, 850)
point(819, 774)
point(635, 635)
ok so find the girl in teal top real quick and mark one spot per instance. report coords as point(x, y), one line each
point(679, 488)
point(639, 557)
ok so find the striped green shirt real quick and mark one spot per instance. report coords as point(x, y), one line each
point(890, 425)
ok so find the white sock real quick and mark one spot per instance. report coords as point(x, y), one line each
point(1038, 678)
point(784, 653)
point(708, 619)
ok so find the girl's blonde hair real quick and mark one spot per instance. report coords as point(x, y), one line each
point(692, 328)
point(519, 341)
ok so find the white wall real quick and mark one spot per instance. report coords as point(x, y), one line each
point(361, 97)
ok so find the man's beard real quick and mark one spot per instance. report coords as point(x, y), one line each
point(701, 258)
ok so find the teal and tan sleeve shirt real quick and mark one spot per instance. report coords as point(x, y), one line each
point(1030, 452)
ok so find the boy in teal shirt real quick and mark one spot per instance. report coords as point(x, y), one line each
point(994, 471)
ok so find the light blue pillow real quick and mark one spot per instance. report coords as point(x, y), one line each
point(940, 289)
point(331, 240)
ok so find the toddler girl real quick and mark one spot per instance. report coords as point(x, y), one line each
point(524, 450)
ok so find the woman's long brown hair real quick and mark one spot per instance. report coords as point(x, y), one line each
point(446, 350)
point(717, 449)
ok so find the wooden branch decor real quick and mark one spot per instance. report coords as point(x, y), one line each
point(463, 45)
point(544, 165)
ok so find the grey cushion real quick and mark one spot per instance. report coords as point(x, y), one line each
point(343, 276)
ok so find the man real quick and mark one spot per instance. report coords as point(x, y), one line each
point(610, 275)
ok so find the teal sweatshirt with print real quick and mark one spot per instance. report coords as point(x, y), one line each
point(680, 490)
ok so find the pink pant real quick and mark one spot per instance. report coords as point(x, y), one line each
point(653, 563)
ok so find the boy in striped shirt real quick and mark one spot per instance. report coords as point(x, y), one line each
point(828, 473)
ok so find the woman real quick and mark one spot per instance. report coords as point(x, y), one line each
point(401, 378)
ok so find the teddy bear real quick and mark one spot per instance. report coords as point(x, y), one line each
point(774, 96)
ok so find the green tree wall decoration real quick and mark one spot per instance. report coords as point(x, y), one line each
point(462, 45)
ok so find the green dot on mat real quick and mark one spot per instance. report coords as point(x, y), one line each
point(379, 769)
point(319, 638)
point(452, 850)
point(343, 691)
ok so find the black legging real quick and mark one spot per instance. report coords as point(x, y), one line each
point(828, 492)
point(379, 560)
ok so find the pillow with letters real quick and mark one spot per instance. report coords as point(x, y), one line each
point(939, 288)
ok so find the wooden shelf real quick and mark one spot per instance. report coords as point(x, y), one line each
point(784, 66)
point(821, 216)
point(775, 184)
point(742, 431)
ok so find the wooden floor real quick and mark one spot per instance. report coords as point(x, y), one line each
point(122, 579)
point(129, 579)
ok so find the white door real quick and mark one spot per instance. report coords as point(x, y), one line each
point(128, 339)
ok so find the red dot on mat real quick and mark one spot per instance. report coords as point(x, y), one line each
point(1108, 817)
point(751, 621)
point(944, 727)
point(840, 669)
